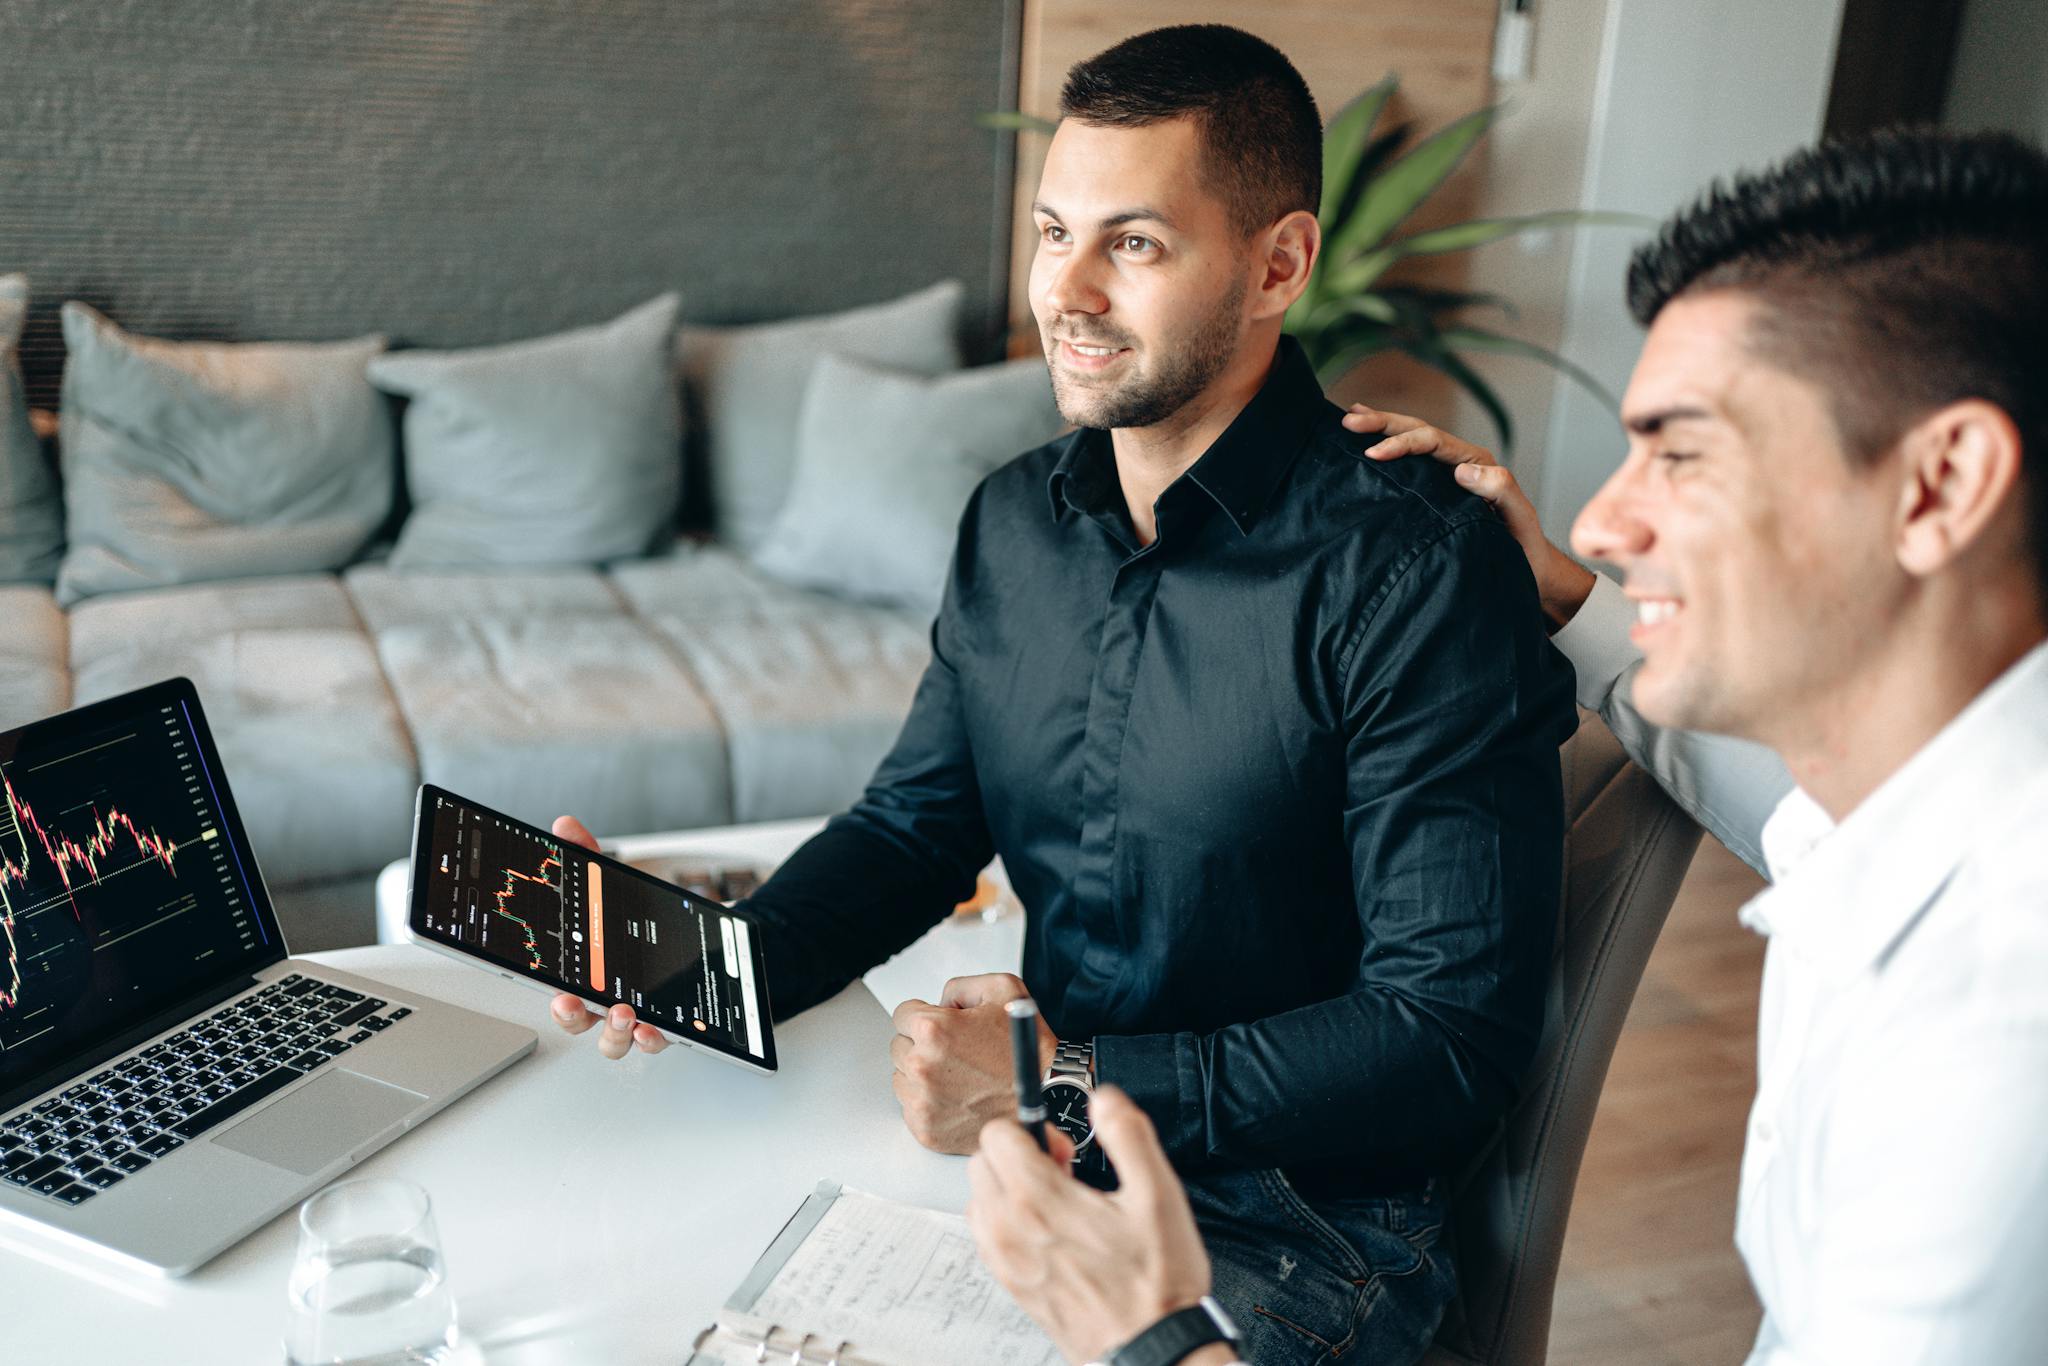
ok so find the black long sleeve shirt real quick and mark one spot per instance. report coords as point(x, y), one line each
point(1279, 792)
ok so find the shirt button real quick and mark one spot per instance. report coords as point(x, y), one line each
point(1763, 1133)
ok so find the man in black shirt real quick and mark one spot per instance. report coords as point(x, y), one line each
point(1265, 733)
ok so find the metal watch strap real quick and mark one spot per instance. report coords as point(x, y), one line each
point(1075, 1061)
point(1179, 1334)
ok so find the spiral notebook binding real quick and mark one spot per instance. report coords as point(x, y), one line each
point(766, 1350)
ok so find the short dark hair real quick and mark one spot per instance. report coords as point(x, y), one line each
point(1262, 139)
point(1901, 271)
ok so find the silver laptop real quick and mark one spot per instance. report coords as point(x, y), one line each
point(170, 1079)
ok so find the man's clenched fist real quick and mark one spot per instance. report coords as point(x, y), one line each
point(952, 1061)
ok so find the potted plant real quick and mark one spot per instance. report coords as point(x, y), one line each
point(1371, 186)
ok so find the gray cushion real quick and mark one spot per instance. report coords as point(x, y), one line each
point(561, 450)
point(34, 679)
point(31, 517)
point(385, 597)
point(746, 383)
point(810, 702)
point(165, 619)
point(708, 583)
point(310, 740)
point(186, 461)
point(885, 462)
point(593, 717)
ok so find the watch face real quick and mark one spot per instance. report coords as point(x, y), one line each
point(1066, 1105)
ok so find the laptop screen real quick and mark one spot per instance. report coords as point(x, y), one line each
point(126, 885)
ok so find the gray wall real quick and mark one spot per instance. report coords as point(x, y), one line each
point(1535, 161)
point(2001, 72)
point(454, 173)
point(1685, 92)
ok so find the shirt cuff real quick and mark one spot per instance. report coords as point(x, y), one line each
point(1162, 1072)
point(1596, 641)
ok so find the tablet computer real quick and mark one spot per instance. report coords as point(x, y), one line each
point(496, 891)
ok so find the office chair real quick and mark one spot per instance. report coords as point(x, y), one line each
point(1627, 847)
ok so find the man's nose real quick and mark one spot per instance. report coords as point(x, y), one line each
point(1613, 527)
point(1073, 287)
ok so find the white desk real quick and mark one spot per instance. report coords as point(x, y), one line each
point(590, 1211)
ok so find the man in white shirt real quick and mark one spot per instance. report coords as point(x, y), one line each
point(1832, 531)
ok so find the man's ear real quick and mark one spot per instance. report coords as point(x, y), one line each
point(1288, 252)
point(1960, 474)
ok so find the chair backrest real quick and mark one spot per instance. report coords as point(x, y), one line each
point(1627, 847)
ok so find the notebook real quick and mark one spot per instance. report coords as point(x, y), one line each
point(862, 1281)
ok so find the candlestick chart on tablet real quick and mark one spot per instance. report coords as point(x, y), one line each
point(553, 912)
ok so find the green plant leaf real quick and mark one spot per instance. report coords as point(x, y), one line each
point(1011, 120)
point(1479, 231)
point(1358, 275)
point(1434, 301)
point(1295, 323)
point(1396, 191)
point(1436, 357)
point(1369, 306)
point(1480, 339)
point(1345, 143)
point(1378, 153)
point(1346, 347)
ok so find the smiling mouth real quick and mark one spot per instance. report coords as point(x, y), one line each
point(1087, 355)
point(1652, 615)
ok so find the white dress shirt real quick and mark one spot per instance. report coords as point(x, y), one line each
point(1894, 1200)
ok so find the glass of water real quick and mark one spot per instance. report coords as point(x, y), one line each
point(368, 1287)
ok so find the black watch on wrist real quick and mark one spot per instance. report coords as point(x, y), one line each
point(1068, 1087)
point(1178, 1335)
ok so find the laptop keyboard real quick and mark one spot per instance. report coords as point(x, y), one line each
point(126, 1116)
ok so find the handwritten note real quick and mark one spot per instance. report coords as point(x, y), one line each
point(904, 1286)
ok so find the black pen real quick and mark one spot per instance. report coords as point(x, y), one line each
point(1024, 1050)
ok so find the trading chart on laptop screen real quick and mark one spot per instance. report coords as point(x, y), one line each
point(120, 891)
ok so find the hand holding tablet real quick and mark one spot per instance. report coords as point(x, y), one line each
point(622, 1030)
point(548, 909)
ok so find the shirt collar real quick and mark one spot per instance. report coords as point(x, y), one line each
point(1240, 469)
point(1843, 895)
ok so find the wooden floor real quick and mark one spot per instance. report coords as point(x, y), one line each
point(1650, 1275)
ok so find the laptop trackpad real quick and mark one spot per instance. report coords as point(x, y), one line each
point(329, 1118)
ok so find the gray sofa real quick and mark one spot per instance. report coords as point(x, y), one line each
point(233, 513)
point(457, 176)
point(681, 690)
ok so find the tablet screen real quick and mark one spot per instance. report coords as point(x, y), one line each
point(514, 895)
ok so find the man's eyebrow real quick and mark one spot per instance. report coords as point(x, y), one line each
point(1115, 220)
point(1649, 424)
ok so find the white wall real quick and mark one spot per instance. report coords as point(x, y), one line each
point(1535, 162)
point(1685, 91)
point(2001, 70)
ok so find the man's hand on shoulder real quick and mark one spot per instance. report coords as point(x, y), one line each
point(952, 1068)
point(620, 1033)
point(1561, 581)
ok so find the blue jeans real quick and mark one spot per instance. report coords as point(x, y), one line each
point(1353, 1279)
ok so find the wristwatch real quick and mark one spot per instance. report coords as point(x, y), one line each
point(1068, 1085)
point(1178, 1335)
